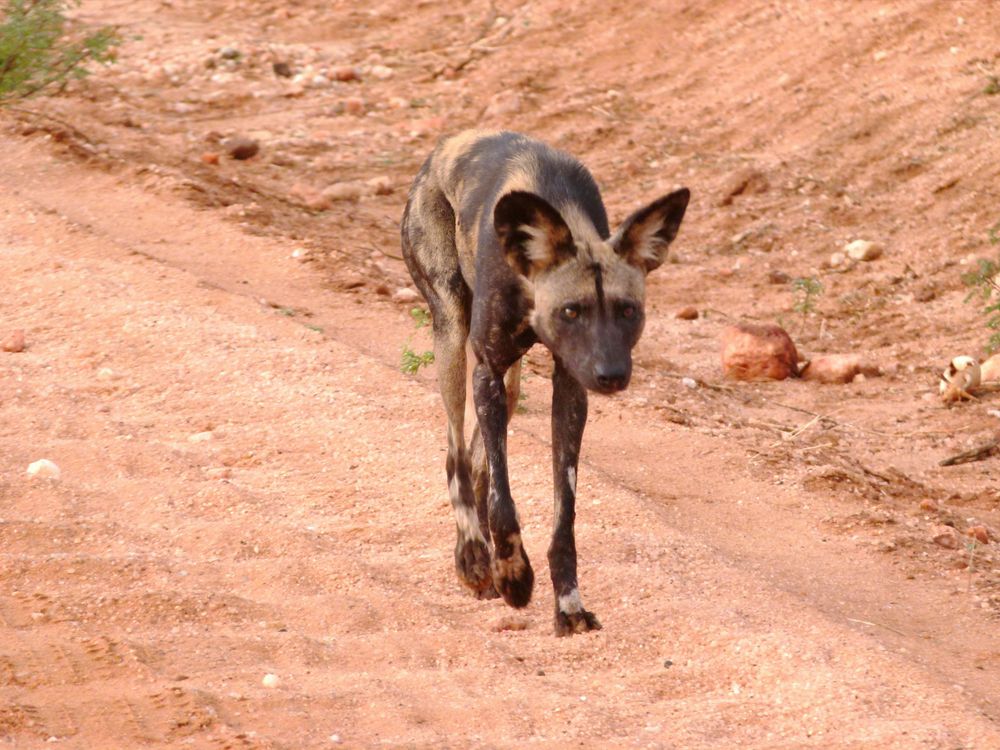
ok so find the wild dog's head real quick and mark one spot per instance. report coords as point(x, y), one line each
point(588, 291)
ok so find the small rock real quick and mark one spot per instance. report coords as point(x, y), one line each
point(344, 191)
point(282, 69)
point(380, 185)
point(980, 533)
point(668, 664)
point(689, 383)
point(405, 295)
point(837, 260)
point(210, 157)
point(240, 147)
point(754, 352)
point(778, 277)
point(928, 505)
point(346, 73)
point(219, 472)
point(309, 196)
point(319, 81)
point(106, 373)
point(350, 281)
point(354, 105)
point(744, 182)
point(382, 72)
point(945, 536)
point(44, 469)
point(990, 369)
point(510, 622)
point(837, 368)
point(229, 53)
point(200, 437)
point(14, 342)
point(270, 680)
point(301, 254)
point(863, 250)
point(687, 313)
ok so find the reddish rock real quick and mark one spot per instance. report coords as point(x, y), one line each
point(980, 533)
point(837, 368)
point(687, 313)
point(240, 148)
point(346, 73)
point(758, 352)
point(354, 106)
point(945, 536)
point(744, 182)
point(310, 197)
point(928, 505)
point(14, 342)
point(380, 185)
point(210, 157)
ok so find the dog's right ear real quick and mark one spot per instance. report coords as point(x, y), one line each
point(533, 236)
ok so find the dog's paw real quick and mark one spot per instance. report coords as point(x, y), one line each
point(575, 622)
point(472, 563)
point(512, 573)
point(571, 617)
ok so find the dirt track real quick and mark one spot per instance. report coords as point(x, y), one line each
point(751, 594)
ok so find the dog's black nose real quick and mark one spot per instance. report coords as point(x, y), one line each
point(611, 379)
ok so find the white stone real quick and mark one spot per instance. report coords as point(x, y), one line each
point(270, 680)
point(44, 469)
point(863, 250)
point(382, 72)
point(200, 437)
point(405, 294)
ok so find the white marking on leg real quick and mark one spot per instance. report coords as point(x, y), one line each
point(468, 523)
point(571, 478)
point(570, 604)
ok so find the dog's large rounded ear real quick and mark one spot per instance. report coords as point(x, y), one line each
point(644, 236)
point(533, 236)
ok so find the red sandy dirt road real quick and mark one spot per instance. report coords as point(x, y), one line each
point(249, 486)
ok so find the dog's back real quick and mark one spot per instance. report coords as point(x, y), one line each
point(466, 175)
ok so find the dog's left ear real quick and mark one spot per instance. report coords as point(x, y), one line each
point(644, 236)
point(533, 235)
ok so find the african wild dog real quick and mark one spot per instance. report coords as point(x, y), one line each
point(508, 241)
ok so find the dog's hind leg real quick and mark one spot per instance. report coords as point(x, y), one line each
point(429, 250)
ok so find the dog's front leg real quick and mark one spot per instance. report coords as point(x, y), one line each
point(512, 574)
point(569, 417)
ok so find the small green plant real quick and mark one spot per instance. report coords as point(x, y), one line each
point(421, 318)
point(807, 290)
point(40, 48)
point(983, 285)
point(411, 361)
point(992, 86)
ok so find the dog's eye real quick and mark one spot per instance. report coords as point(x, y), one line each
point(627, 311)
point(571, 312)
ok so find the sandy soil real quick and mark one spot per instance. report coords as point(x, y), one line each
point(250, 486)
